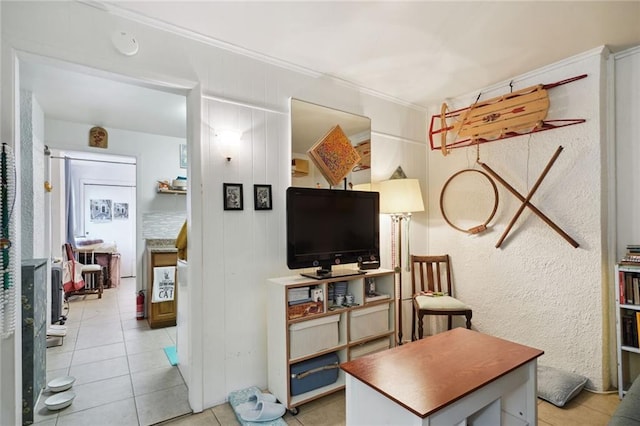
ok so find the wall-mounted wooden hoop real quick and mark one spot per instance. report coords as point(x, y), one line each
point(475, 229)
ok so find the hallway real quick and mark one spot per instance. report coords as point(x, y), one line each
point(122, 374)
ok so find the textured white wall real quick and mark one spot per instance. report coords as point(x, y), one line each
point(32, 175)
point(627, 133)
point(26, 176)
point(39, 241)
point(537, 289)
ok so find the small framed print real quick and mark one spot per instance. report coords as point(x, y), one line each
point(232, 196)
point(262, 197)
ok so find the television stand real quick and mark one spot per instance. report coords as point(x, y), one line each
point(322, 273)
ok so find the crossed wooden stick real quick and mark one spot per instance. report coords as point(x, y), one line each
point(526, 203)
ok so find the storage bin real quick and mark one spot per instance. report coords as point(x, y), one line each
point(314, 373)
point(305, 309)
point(308, 337)
point(370, 347)
point(369, 321)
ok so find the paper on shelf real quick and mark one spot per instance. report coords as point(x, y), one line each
point(163, 283)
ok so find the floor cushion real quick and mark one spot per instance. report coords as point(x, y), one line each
point(557, 386)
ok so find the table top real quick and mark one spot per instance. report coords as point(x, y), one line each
point(429, 374)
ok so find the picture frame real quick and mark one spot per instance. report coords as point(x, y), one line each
point(100, 210)
point(262, 197)
point(334, 155)
point(183, 155)
point(98, 137)
point(232, 196)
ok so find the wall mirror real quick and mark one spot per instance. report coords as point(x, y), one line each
point(310, 123)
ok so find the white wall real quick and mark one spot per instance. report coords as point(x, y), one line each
point(627, 134)
point(240, 249)
point(33, 194)
point(157, 159)
point(537, 289)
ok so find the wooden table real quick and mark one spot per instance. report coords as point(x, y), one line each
point(457, 377)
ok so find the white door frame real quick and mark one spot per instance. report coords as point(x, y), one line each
point(11, 357)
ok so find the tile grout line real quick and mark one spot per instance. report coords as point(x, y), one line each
point(126, 353)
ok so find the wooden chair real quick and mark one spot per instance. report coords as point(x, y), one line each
point(433, 293)
point(91, 273)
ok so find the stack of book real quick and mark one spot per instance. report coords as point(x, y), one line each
point(630, 328)
point(633, 255)
point(629, 287)
point(298, 295)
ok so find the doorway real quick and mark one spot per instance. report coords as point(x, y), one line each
point(119, 212)
point(104, 208)
point(67, 133)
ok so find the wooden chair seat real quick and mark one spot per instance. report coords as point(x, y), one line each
point(441, 303)
point(93, 280)
point(433, 292)
point(91, 268)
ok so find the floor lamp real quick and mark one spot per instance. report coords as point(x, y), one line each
point(399, 198)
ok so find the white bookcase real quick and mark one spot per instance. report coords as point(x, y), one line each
point(628, 354)
point(365, 326)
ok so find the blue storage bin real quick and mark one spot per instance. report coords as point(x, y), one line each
point(314, 373)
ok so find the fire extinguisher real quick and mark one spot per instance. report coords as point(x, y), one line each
point(140, 305)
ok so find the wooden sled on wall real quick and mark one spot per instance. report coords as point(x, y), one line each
point(514, 114)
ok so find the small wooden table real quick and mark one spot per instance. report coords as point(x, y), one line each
point(457, 377)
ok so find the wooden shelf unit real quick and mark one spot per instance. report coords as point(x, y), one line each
point(278, 333)
point(171, 191)
point(628, 356)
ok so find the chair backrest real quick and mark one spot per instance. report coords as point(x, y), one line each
point(431, 273)
point(69, 253)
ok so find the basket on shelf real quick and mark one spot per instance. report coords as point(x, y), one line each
point(305, 309)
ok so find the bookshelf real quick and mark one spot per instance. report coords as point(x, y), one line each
point(627, 279)
point(306, 321)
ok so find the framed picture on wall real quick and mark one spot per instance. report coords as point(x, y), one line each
point(100, 210)
point(262, 197)
point(232, 193)
point(121, 210)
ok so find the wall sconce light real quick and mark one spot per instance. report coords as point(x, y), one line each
point(228, 141)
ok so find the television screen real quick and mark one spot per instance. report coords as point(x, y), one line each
point(327, 227)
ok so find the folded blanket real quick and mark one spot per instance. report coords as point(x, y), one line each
point(72, 276)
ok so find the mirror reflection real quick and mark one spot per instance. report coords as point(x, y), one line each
point(310, 123)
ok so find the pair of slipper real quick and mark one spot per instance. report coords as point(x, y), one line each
point(261, 407)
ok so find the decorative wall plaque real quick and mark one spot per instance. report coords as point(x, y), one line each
point(98, 137)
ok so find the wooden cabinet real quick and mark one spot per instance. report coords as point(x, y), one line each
point(627, 325)
point(161, 314)
point(303, 330)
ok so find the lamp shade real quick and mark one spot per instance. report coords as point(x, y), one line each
point(228, 141)
point(400, 196)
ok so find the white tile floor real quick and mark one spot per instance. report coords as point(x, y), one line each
point(123, 376)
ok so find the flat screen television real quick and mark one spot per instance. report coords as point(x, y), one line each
point(327, 227)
